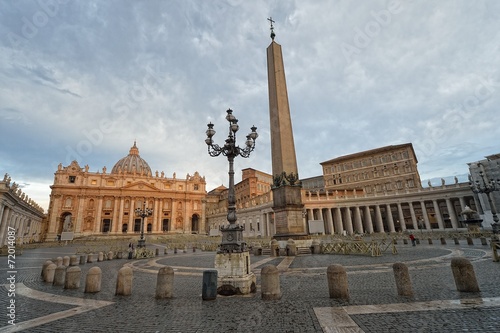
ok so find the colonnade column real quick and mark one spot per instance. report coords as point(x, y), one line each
point(390, 220)
point(358, 226)
point(452, 213)
point(413, 216)
point(368, 220)
point(378, 219)
point(348, 221)
point(437, 212)
point(338, 221)
point(4, 224)
point(462, 203)
point(425, 216)
point(402, 222)
point(329, 220)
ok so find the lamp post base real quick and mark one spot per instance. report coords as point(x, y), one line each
point(141, 243)
point(234, 275)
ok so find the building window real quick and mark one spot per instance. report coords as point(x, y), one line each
point(196, 187)
point(72, 179)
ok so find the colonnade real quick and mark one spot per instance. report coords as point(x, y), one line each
point(365, 217)
point(26, 224)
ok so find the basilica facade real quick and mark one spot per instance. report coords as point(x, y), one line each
point(84, 203)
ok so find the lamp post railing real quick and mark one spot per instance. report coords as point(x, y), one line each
point(232, 235)
point(143, 213)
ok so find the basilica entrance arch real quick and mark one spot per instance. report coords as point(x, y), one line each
point(195, 224)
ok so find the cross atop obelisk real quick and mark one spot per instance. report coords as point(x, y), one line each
point(270, 19)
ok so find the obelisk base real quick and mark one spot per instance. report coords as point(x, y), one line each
point(234, 275)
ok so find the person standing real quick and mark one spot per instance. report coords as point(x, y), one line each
point(413, 241)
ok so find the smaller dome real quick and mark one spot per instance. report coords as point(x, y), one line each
point(133, 163)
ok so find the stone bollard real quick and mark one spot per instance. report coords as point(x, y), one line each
point(49, 273)
point(456, 241)
point(124, 281)
point(175, 250)
point(430, 241)
point(337, 282)
point(44, 267)
point(463, 273)
point(417, 240)
point(291, 248)
point(157, 252)
point(394, 241)
point(59, 276)
point(470, 241)
point(185, 249)
point(59, 261)
point(270, 283)
point(73, 274)
point(110, 255)
point(443, 241)
point(73, 260)
point(100, 256)
point(403, 281)
point(209, 290)
point(119, 255)
point(93, 280)
point(83, 259)
point(483, 241)
point(165, 251)
point(90, 258)
point(405, 241)
point(165, 283)
point(316, 247)
point(65, 261)
point(275, 248)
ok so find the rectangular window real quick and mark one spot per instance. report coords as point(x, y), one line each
point(72, 179)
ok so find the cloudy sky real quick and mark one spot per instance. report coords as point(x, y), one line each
point(81, 80)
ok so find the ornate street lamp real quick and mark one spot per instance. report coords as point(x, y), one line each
point(143, 213)
point(232, 234)
point(486, 187)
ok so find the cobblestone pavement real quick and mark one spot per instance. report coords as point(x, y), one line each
point(305, 306)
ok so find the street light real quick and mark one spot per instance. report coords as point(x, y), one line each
point(232, 235)
point(143, 213)
point(486, 187)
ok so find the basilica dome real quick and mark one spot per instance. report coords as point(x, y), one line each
point(132, 163)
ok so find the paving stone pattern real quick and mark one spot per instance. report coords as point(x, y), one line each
point(304, 287)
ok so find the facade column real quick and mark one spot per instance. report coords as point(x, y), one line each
point(462, 203)
point(358, 226)
point(203, 222)
point(338, 221)
point(79, 216)
point(97, 226)
point(114, 218)
point(348, 221)
point(378, 219)
point(425, 216)
point(120, 215)
point(413, 216)
point(156, 217)
point(437, 212)
point(390, 220)
point(131, 216)
point(329, 220)
point(402, 222)
point(452, 213)
point(56, 216)
point(368, 220)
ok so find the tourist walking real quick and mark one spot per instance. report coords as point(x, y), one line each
point(413, 241)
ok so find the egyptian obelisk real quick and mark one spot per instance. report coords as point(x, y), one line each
point(287, 202)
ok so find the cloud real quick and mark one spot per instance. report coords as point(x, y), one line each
point(95, 76)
